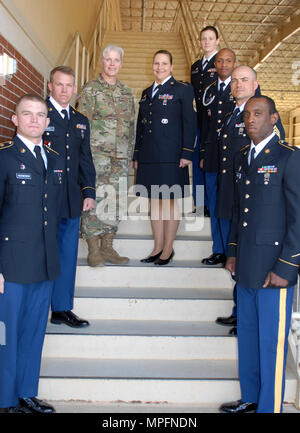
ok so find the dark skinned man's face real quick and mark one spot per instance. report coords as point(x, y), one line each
point(258, 120)
point(225, 64)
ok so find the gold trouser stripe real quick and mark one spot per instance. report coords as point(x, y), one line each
point(280, 351)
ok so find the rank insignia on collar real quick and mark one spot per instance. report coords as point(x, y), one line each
point(22, 150)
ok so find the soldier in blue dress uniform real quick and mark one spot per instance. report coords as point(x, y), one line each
point(232, 139)
point(165, 139)
point(203, 73)
point(218, 101)
point(31, 191)
point(69, 134)
point(264, 256)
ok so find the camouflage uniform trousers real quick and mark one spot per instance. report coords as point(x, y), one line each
point(111, 197)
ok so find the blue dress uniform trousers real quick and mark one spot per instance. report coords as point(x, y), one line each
point(72, 141)
point(265, 237)
point(263, 323)
point(200, 79)
point(220, 227)
point(24, 312)
point(30, 201)
point(63, 289)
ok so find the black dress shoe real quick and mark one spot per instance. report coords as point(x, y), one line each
point(215, 259)
point(18, 409)
point(68, 318)
point(35, 406)
point(227, 321)
point(162, 262)
point(151, 259)
point(233, 331)
point(238, 407)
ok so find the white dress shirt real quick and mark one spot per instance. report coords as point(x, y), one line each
point(31, 147)
point(155, 84)
point(226, 82)
point(58, 107)
point(259, 147)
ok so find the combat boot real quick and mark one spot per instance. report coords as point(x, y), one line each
point(109, 254)
point(95, 257)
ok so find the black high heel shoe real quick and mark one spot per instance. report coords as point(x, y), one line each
point(151, 259)
point(162, 262)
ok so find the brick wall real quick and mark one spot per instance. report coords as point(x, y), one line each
point(27, 80)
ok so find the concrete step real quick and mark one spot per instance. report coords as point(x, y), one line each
point(160, 347)
point(175, 382)
point(144, 327)
point(146, 408)
point(185, 274)
point(186, 310)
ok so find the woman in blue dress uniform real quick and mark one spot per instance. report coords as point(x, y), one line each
point(165, 139)
point(203, 73)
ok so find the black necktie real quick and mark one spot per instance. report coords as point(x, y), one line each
point(252, 156)
point(155, 92)
point(66, 117)
point(37, 151)
point(222, 85)
point(234, 115)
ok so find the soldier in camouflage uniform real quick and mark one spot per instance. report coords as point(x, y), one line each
point(109, 106)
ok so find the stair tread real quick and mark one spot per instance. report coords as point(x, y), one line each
point(143, 328)
point(143, 369)
point(138, 369)
point(173, 264)
point(153, 293)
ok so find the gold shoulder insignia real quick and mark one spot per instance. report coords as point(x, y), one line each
point(244, 148)
point(49, 148)
point(6, 145)
point(286, 145)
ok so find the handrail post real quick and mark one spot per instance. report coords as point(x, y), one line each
point(87, 66)
point(83, 66)
point(77, 58)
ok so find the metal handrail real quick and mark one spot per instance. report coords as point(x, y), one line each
point(108, 18)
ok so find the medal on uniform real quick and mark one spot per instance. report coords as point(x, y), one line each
point(212, 72)
point(22, 166)
point(266, 178)
point(165, 98)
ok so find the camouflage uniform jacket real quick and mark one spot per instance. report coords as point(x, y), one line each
point(110, 110)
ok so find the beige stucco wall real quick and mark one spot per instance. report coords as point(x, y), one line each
point(52, 24)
